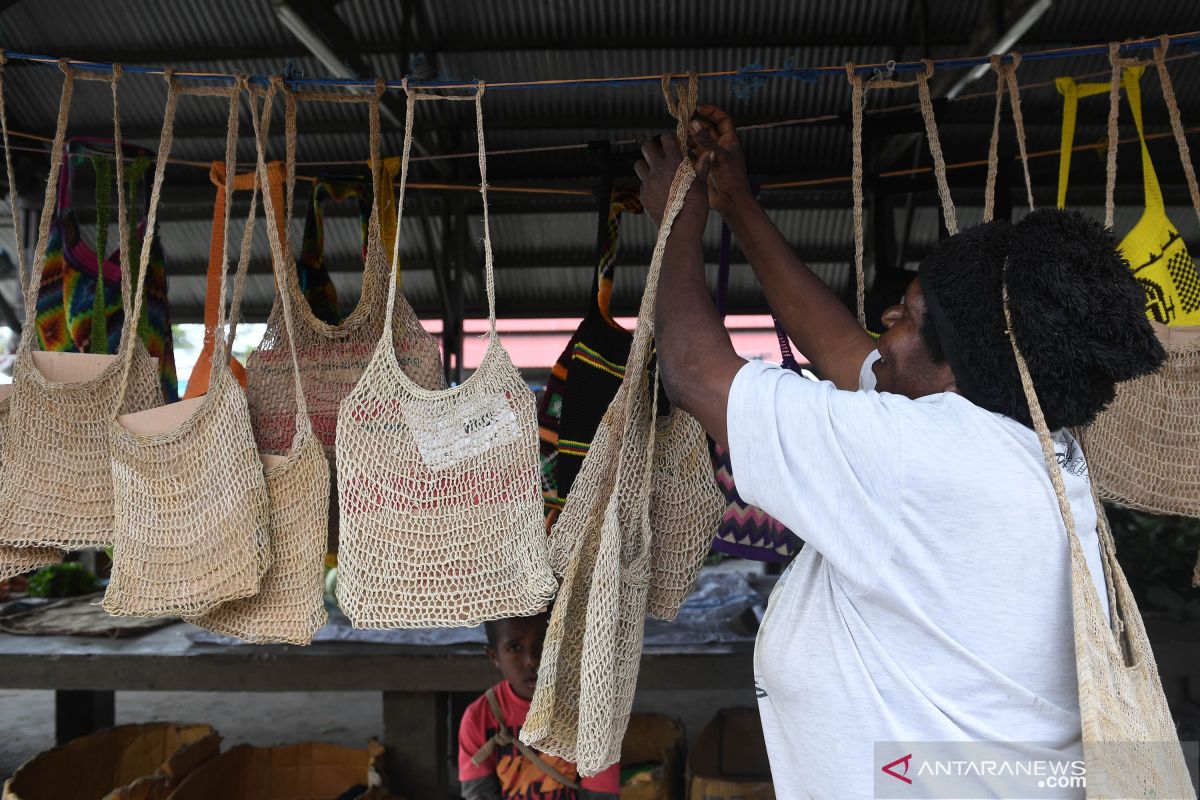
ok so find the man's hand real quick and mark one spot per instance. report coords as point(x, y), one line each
point(660, 161)
point(720, 153)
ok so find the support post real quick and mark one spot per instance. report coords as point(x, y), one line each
point(78, 713)
point(416, 734)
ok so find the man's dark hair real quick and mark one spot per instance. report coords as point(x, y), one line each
point(1077, 312)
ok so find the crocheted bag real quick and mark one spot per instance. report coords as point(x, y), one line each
point(332, 357)
point(56, 489)
point(602, 544)
point(192, 512)
point(1144, 449)
point(440, 511)
point(289, 606)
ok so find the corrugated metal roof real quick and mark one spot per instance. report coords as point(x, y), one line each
point(544, 244)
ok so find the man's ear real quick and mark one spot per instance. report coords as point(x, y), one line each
point(492, 655)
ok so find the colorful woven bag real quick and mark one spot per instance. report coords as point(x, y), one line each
point(69, 307)
point(746, 531)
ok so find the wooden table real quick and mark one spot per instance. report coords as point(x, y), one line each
point(416, 682)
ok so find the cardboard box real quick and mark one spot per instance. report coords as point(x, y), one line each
point(659, 740)
point(308, 771)
point(729, 759)
point(129, 762)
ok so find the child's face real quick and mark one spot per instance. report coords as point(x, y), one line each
point(518, 652)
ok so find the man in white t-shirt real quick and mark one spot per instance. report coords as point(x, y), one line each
point(932, 602)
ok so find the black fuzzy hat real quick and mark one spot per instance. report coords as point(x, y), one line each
point(1078, 313)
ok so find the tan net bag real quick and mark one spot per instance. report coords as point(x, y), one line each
point(16, 560)
point(1144, 449)
point(441, 510)
point(1130, 745)
point(192, 514)
point(332, 357)
point(603, 543)
point(56, 489)
point(289, 606)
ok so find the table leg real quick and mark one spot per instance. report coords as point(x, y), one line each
point(78, 713)
point(415, 733)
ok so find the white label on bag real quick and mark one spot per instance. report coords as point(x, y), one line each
point(472, 427)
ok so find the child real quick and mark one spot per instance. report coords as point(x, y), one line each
point(492, 762)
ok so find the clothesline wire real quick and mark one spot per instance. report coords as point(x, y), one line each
point(749, 73)
point(823, 181)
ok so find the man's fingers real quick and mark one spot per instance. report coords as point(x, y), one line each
point(642, 169)
point(651, 150)
point(704, 136)
point(670, 147)
point(703, 165)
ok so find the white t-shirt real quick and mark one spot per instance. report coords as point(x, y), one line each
point(932, 601)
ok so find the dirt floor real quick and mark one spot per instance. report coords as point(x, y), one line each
point(264, 718)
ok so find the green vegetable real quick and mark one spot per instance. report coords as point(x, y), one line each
point(63, 580)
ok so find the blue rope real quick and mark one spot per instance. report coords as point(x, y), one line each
point(746, 80)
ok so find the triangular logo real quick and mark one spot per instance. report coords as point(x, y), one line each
point(887, 768)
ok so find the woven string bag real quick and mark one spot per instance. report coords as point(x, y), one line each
point(1130, 745)
point(289, 606)
point(1144, 449)
point(190, 497)
point(55, 489)
point(746, 531)
point(601, 545)
point(332, 357)
point(441, 516)
point(16, 560)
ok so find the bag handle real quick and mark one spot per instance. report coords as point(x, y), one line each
point(1185, 154)
point(1006, 77)
point(372, 269)
point(281, 256)
point(413, 97)
point(859, 88)
point(619, 203)
point(166, 139)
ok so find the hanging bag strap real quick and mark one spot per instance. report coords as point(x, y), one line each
point(22, 267)
point(373, 269)
point(1185, 154)
point(281, 256)
point(1006, 78)
point(859, 88)
point(504, 736)
point(413, 97)
point(166, 139)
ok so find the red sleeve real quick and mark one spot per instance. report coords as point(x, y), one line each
point(472, 733)
point(608, 781)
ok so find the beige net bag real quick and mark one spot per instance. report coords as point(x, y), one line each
point(192, 514)
point(16, 560)
point(331, 357)
point(603, 544)
point(686, 502)
point(55, 489)
point(441, 511)
point(1130, 745)
point(1144, 449)
point(289, 606)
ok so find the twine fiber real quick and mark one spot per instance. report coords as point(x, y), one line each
point(858, 90)
point(192, 513)
point(1144, 449)
point(604, 544)
point(19, 560)
point(289, 606)
point(56, 489)
point(331, 358)
point(441, 514)
point(1130, 744)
